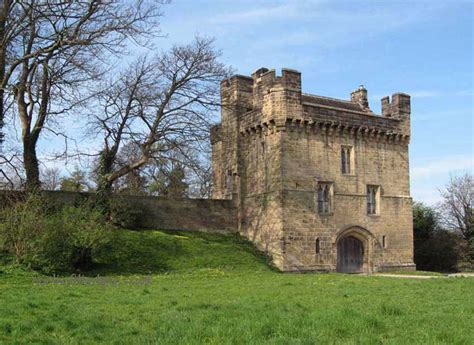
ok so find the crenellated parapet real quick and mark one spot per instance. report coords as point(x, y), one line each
point(329, 128)
point(399, 108)
point(271, 103)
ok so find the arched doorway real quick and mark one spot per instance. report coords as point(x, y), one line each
point(350, 255)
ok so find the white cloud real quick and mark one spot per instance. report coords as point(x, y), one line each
point(414, 94)
point(423, 94)
point(429, 196)
point(442, 166)
point(429, 176)
point(272, 30)
point(419, 94)
point(467, 92)
point(256, 14)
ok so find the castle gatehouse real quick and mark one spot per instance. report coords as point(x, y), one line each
point(319, 183)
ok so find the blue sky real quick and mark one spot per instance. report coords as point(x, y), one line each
point(424, 48)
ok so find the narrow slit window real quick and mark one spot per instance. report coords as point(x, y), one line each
point(317, 246)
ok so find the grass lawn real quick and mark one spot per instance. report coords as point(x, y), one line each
point(416, 273)
point(183, 288)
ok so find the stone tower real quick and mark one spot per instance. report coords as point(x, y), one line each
point(319, 183)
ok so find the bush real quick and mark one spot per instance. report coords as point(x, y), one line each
point(440, 252)
point(73, 237)
point(124, 214)
point(435, 249)
point(65, 239)
point(471, 248)
point(21, 224)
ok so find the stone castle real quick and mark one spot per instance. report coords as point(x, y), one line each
point(319, 183)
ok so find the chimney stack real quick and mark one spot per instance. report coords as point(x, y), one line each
point(359, 96)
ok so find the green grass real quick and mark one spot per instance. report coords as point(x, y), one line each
point(416, 273)
point(217, 289)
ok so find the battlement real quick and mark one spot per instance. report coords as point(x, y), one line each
point(266, 97)
point(266, 81)
point(290, 78)
point(248, 91)
point(399, 108)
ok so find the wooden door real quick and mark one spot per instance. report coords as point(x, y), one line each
point(350, 255)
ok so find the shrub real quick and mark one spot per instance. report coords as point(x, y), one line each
point(21, 224)
point(435, 248)
point(440, 252)
point(124, 214)
point(471, 249)
point(89, 233)
point(53, 240)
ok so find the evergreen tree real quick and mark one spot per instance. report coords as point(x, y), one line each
point(76, 182)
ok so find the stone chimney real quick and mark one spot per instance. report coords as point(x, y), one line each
point(359, 96)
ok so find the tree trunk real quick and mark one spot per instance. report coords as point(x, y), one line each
point(104, 185)
point(5, 7)
point(30, 163)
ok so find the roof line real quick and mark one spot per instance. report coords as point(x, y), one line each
point(330, 98)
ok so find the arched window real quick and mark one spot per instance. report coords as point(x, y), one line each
point(317, 246)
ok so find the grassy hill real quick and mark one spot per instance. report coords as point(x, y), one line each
point(178, 251)
point(192, 288)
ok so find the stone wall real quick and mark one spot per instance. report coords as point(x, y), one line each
point(164, 214)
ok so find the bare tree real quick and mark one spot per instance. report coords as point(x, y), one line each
point(160, 105)
point(51, 49)
point(51, 178)
point(11, 176)
point(199, 175)
point(4, 10)
point(135, 182)
point(457, 206)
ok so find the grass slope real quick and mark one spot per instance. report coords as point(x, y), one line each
point(216, 289)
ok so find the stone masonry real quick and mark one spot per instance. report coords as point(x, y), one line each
point(319, 183)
